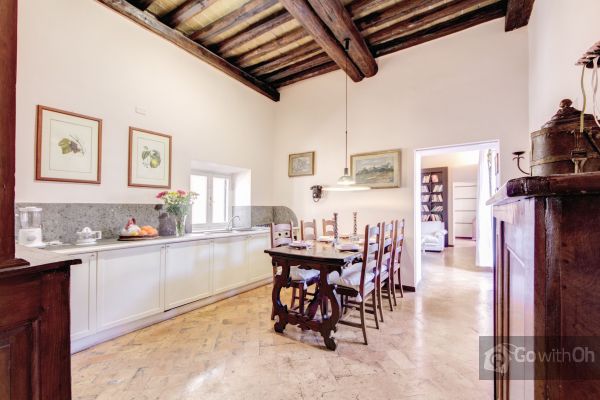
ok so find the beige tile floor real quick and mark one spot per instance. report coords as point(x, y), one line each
point(426, 349)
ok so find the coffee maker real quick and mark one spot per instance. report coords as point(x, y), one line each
point(30, 234)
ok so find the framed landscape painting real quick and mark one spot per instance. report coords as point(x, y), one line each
point(149, 159)
point(378, 170)
point(301, 164)
point(68, 146)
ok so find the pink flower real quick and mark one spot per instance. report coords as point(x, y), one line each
point(161, 195)
point(181, 192)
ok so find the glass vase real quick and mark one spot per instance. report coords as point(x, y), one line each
point(180, 225)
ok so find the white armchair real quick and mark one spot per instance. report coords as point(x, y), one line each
point(432, 235)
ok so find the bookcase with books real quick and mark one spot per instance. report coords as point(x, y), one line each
point(434, 196)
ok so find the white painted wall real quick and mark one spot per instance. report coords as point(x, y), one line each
point(468, 87)
point(82, 57)
point(559, 33)
point(462, 167)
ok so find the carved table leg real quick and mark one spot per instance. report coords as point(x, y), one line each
point(329, 323)
point(280, 311)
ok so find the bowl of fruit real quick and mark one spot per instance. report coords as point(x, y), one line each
point(132, 231)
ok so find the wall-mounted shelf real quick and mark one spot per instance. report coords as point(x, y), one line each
point(434, 196)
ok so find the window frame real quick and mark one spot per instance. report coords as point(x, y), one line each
point(209, 224)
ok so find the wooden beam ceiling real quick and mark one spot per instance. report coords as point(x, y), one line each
point(340, 23)
point(185, 11)
point(300, 66)
point(394, 12)
point(517, 14)
point(304, 14)
point(151, 23)
point(246, 59)
point(309, 73)
point(142, 4)
point(290, 57)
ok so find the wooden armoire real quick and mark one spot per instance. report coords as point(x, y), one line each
point(547, 279)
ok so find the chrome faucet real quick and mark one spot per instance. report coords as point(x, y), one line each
point(230, 223)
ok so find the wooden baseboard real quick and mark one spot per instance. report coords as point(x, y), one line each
point(409, 288)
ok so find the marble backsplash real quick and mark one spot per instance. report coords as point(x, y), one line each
point(61, 221)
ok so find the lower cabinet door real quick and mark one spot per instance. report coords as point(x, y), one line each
point(188, 273)
point(230, 264)
point(259, 262)
point(16, 355)
point(83, 297)
point(129, 285)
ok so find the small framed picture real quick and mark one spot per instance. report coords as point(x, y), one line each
point(301, 164)
point(379, 170)
point(68, 146)
point(149, 159)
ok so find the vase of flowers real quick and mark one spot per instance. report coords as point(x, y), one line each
point(177, 204)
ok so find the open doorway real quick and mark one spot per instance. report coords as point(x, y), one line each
point(452, 184)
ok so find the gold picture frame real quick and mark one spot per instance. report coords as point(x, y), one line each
point(378, 169)
point(301, 164)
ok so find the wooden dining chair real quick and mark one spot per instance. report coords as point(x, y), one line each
point(385, 259)
point(301, 279)
point(395, 273)
point(359, 280)
point(328, 226)
point(311, 226)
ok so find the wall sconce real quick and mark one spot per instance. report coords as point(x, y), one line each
point(518, 155)
point(317, 192)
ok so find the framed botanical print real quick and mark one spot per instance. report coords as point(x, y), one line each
point(68, 146)
point(378, 170)
point(301, 164)
point(149, 159)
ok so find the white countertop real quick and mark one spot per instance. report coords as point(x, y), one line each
point(114, 244)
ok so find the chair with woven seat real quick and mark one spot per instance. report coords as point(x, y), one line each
point(328, 226)
point(395, 273)
point(359, 280)
point(385, 255)
point(301, 279)
point(308, 230)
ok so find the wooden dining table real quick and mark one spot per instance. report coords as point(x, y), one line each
point(325, 258)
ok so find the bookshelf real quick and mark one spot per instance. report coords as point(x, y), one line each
point(434, 196)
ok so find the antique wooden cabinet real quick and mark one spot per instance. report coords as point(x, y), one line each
point(546, 278)
point(35, 360)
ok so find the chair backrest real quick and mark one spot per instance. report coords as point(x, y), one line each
point(370, 256)
point(311, 226)
point(387, 245)
point(398, 242)
point(281, 234)
point(328, 225)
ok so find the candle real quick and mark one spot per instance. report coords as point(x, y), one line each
point(336, 234)
point(355, 229)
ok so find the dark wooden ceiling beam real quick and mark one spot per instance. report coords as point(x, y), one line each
point(185, 11)
point(517, 14)
point(232, 19)
point(249, 57)
point(291, 57)
point(395, 11)
point(259, 28)
point(304, 14)
point(142, 4)
point(301, 66)
point(420, 21)
point(149, 22)
point(309, 73)
point(360, 6)
point(445, 28)
point(338, 20)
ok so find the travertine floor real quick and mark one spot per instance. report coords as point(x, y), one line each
point(426, 349)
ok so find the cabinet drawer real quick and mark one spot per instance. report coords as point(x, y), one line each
point(20, 300)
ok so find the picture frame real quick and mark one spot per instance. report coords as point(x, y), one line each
point(301, 164)
point(150, 156)
point(378, 170)
point(68, 146)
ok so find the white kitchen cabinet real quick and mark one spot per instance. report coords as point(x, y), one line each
point(129, 285)
point(259, 263)
point(188, 273)
point(83, 297)
point(230, 264)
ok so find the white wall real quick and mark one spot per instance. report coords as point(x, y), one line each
point(462, 167)
point(468, 87)
point(82, 57)
point(559, 33)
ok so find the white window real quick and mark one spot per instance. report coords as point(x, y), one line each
point(212, 207)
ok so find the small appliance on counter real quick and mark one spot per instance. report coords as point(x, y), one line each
point(87, 236)
point(30, 234)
